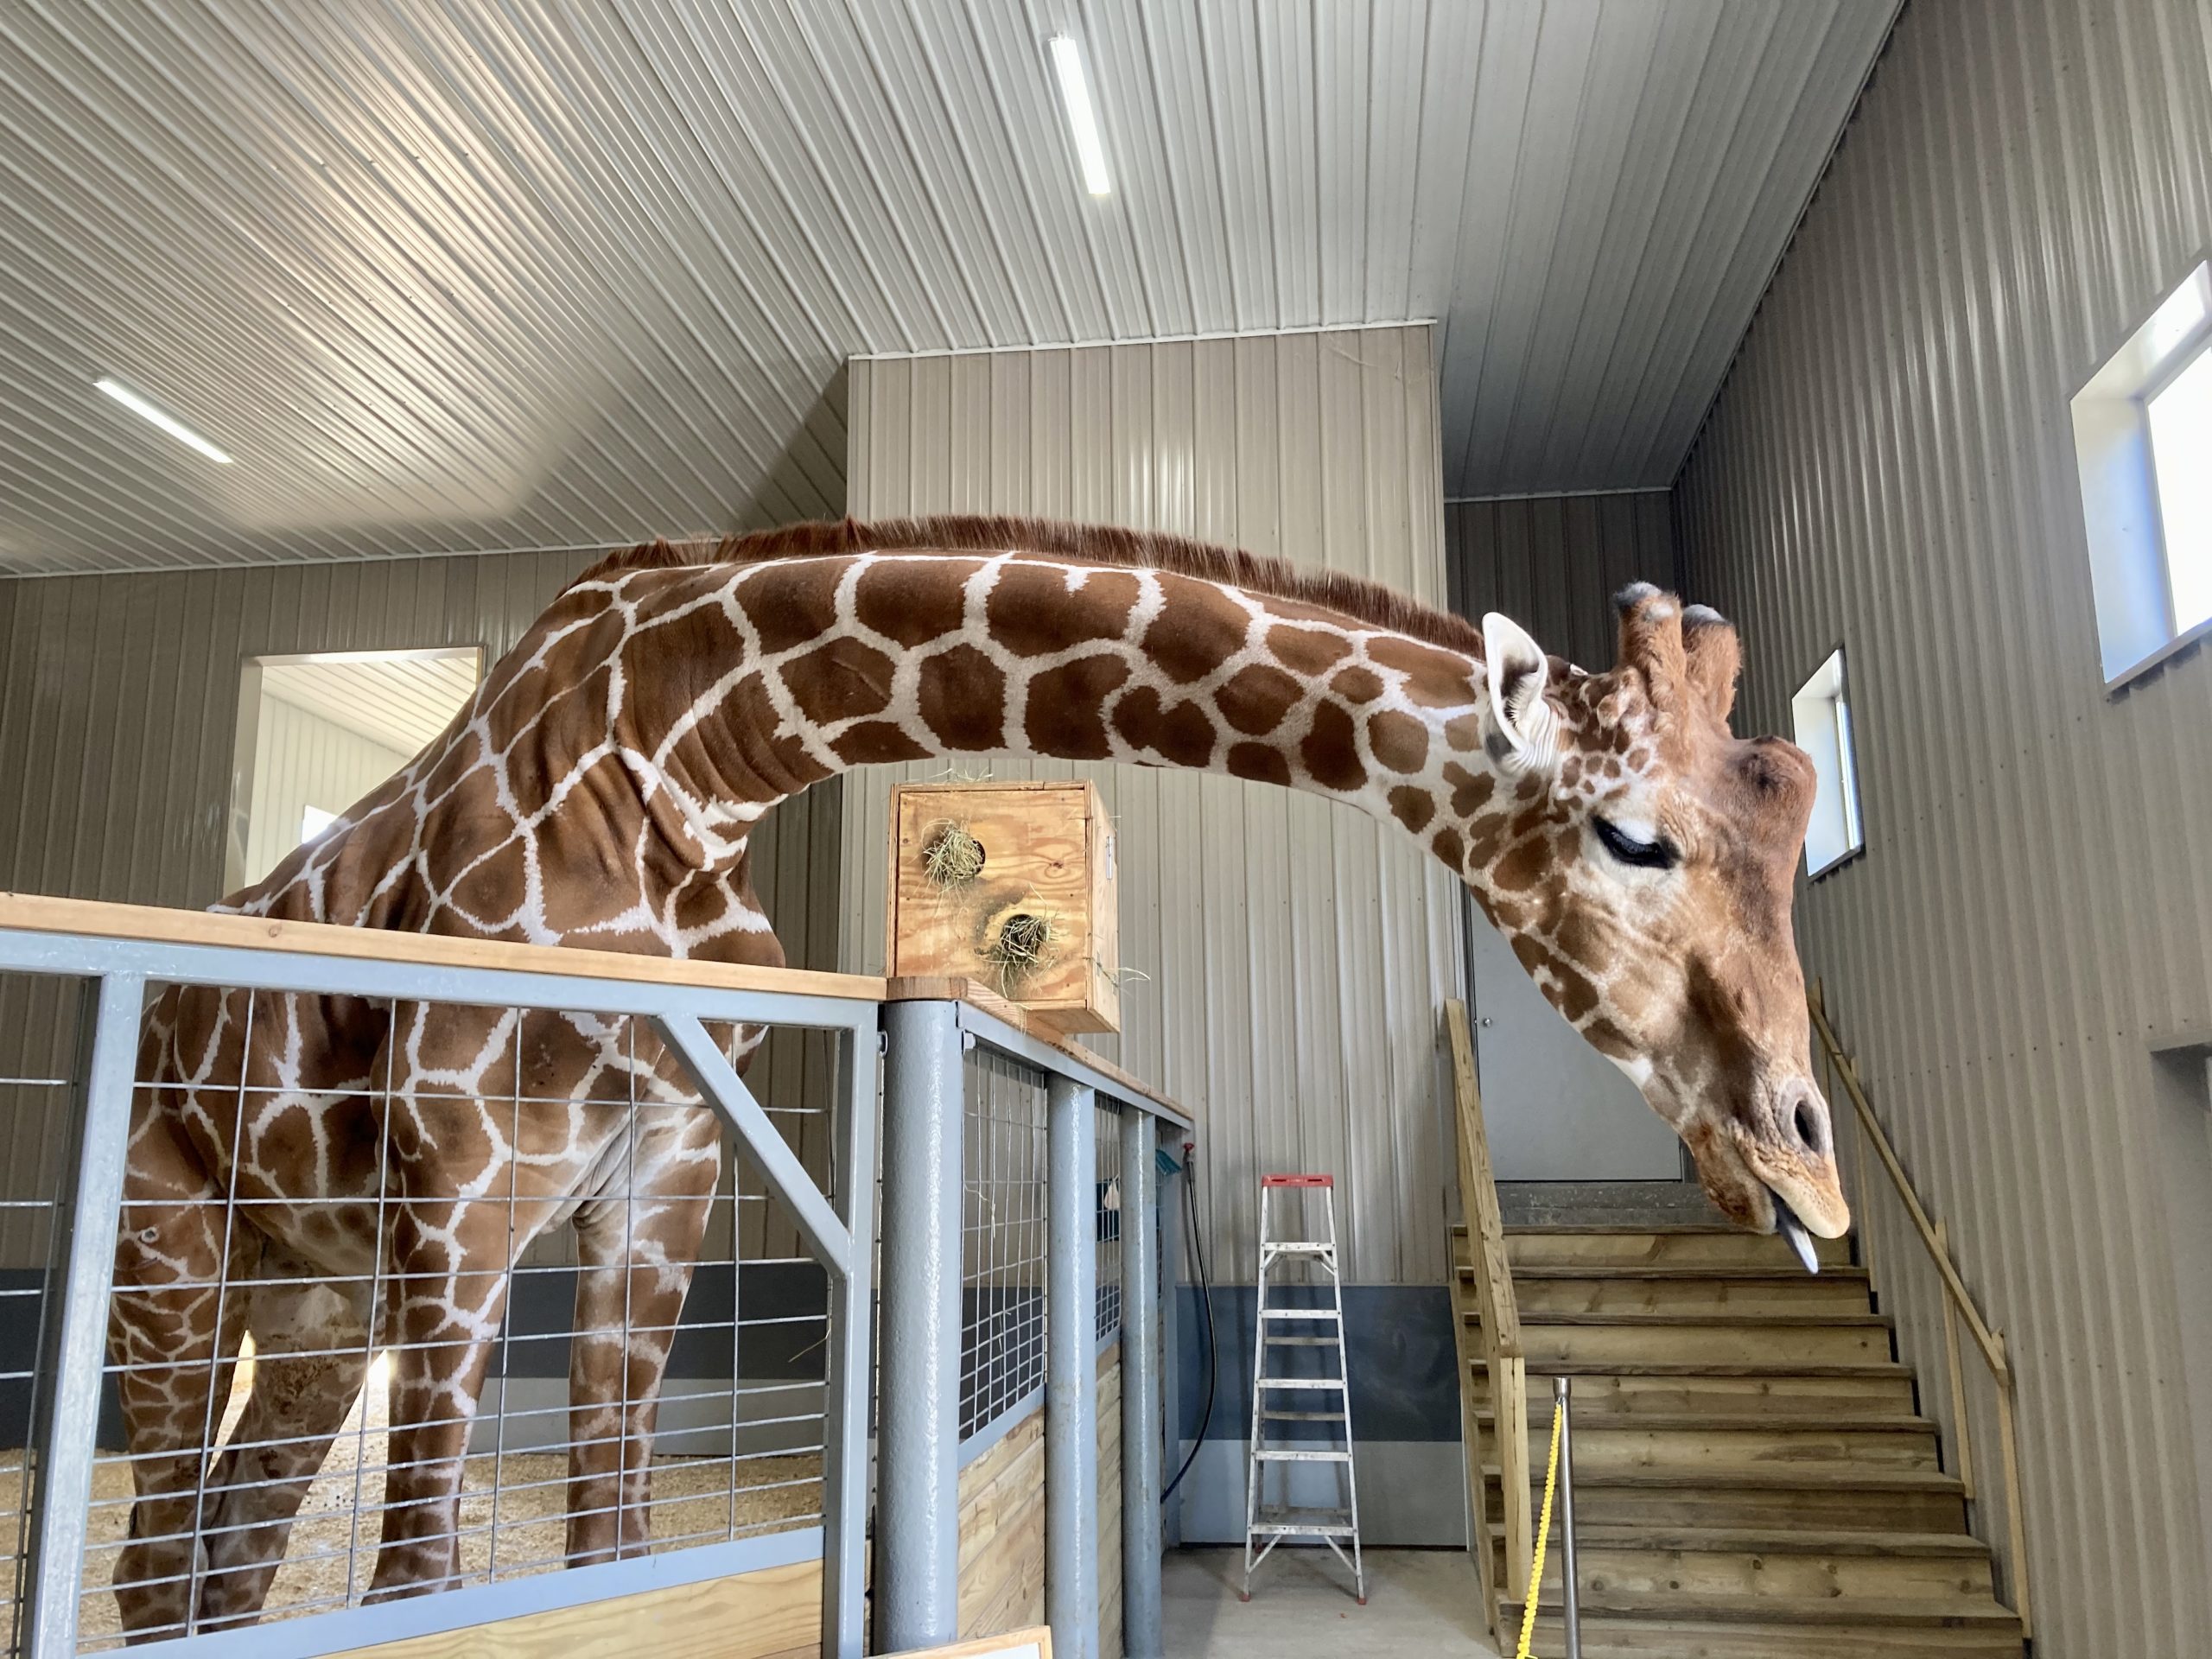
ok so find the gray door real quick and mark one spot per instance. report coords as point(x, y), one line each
point(1557, 1110)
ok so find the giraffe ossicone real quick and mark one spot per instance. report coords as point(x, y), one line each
point(335, 1177)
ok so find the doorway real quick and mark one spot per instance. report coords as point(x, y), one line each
point(317, 731)
point(1556, 1108)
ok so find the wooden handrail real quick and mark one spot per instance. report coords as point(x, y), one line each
point(1993, 1350)
point(1958, 1302)
point(1504, 1358)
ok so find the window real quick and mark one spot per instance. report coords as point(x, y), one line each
point(1821, 713)
point(2180, 417)
point(2142, 427)
point(317, 732)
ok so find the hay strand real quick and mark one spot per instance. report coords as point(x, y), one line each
point(1026, 943)
point(952, 857)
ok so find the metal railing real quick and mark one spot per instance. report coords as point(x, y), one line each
point(218, 1483)
point(967, 1148)
point(1958, 1304)
point(678, 1024)
point(1496, 1341)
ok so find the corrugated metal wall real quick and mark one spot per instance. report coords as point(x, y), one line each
point(300, 760)
point(118, 710)
point(1890, 464)
point(1553, 562)
point(1295, 952)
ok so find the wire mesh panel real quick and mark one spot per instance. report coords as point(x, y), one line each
point(1108, 1131)
point(1003, 1238)
point(39, 1017)
point(415, 1294)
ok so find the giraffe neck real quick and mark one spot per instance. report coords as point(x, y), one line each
point(825, 664)
point(603, 786)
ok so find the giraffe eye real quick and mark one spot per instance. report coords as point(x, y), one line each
point(1654, 855)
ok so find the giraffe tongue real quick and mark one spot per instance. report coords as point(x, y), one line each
point(1786, 1223)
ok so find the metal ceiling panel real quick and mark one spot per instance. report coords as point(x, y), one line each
point(497, 276)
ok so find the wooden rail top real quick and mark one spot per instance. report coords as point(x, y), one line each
point(31, 912)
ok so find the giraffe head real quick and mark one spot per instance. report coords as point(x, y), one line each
point(1644, 873)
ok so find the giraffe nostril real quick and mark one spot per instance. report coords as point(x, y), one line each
point(1805, 1122)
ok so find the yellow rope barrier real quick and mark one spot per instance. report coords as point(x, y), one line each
point(1543, 1532)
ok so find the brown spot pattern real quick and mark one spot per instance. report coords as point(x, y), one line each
point(1065, 716)
point(1400, 742)
point(962, 695)
point(1330, 755)
point(1256, 698)
point(1032, 613)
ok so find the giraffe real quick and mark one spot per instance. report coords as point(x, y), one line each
point(599, 790)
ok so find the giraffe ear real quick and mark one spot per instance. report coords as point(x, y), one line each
point(1524, 729)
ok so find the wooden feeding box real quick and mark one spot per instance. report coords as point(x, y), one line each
point(1010, 885)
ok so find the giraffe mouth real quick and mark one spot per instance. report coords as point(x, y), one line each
point(1800, 1237)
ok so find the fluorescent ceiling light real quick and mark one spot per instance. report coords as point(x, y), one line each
point(168, 423)
point(1075, 91)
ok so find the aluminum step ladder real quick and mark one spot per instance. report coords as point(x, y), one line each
point(1304, 1330)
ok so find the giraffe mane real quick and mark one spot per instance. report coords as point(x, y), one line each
point(1332, 590)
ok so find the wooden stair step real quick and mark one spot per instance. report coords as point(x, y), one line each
point(1780, 1339)
point(1538, 1293)
point(1632, 1638)
point(1721, 1391)
point(1703, 1440)
point(1803, 1497)
point(1953, 1613)
point(1763, 1562)
point(1810, 1628)
point(1765, 1541)
point(1597, 1423)
point(1687, 1245)
point(1760, 1369)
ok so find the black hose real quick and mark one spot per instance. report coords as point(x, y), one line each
point(1205, 1302)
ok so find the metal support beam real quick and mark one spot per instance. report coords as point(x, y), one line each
point(1171, 1333)
point(849, 1378)
point(1072, 1371)
point(918, 1424)
point(828, 1239)
point(67, 1406)
point(1141, 1379)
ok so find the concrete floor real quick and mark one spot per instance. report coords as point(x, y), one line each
point(1422, 1604)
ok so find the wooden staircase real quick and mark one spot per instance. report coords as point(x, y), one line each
point(1752, 1476)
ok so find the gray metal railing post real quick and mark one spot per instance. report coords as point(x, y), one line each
point(845, 1462)
point(75, 1317)
point(1170, 1338)
point(1071, 1371)
point(1570, 1583)
point(918, 1421)
point(1140, 1629)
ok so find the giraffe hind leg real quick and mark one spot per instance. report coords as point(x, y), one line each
point(636, 1253)
point(311, 1352)
point(174, 1334)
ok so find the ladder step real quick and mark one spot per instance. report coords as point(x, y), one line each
point(1325, 1523)
point(1301, 1314)
point(1336, 1382)
point(1299, 1247)
point(1267, 1455)
point(1302, 1342)
point(1304, 1416)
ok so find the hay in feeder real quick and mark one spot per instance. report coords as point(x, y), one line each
point(1026, 942)
point(952, 857)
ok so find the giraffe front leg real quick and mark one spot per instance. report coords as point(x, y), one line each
point(637, 1252)
point(311, 1342)
point(450, 1281)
